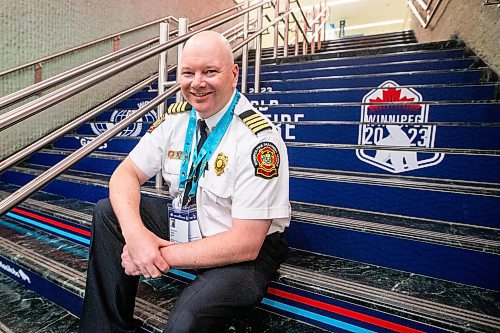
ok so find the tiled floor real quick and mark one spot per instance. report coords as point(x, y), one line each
point(22, 310)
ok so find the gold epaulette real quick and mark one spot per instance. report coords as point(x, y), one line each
point(256, 122)
point(179, 107)
point(172, 109)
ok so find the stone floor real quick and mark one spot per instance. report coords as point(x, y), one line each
point(22, 310)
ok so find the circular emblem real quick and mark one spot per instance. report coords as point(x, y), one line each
point(266, 160)
point(220, 163)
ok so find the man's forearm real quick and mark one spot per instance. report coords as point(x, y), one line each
point(124, 194)
point(233, 246)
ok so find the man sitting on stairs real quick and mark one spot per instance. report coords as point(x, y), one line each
point(236, 177)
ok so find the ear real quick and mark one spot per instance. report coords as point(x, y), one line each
point(235, 71)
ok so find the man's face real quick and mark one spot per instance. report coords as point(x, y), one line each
point(208, 78)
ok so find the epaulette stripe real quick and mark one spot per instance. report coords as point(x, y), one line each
point(257, 124)
point(253, 121)
point(169, 110)
point(249, 118)
point(261, 128)
point(179, 107)
point(246, 114)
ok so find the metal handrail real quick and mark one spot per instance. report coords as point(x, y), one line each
point(303, 15)
point(14, 116)
point(84, 68)
point(76, 48)
point(318, 16)
point(82, 152)
point(25, 152)
point(102, 39)
point(423, 23)
point(72, 73)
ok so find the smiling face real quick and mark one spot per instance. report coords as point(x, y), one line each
point(208, 73)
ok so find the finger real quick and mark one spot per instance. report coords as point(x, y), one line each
point(161, 264)
point(153, 271)
point(164, 242)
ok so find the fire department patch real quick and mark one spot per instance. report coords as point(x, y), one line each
point(266, 160)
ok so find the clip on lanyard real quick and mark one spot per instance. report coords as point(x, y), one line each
point(203, 156)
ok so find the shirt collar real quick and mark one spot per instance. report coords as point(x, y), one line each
point(214, 119)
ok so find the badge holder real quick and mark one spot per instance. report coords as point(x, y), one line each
point(184, 225)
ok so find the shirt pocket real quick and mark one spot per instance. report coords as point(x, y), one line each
point(171, 174)
point(216, 192)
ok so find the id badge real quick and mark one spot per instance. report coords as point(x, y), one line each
point(184, 225)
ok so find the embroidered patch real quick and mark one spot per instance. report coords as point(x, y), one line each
point(156, 124)
point(266, 160)
point(220, 163)
point(174, 154)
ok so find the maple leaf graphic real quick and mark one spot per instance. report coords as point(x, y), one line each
point(392, 95)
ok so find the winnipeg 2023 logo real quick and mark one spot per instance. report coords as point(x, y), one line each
point(398, 125)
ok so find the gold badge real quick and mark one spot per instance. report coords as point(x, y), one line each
point(220, 163)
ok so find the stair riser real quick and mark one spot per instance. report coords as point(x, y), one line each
point(453, 166)
point(462, 208)
point(405, 79)
point(475, 210)
point(465, 94)
point(449, 263)
point(366, 70)
point(356, 61)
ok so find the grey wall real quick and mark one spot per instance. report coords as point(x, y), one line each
point(33, 29)
point(477, 25)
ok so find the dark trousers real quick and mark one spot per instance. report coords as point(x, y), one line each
point(205, 305)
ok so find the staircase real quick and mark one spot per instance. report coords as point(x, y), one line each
point(382, 239)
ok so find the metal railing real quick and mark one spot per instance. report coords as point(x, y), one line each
point(115, 37)
point(71, 89)
point(87, 67)
point(425, 10)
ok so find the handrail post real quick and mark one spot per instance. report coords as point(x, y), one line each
point(287, 27)
point(116, 43)
point(304, 40)
point(325, 22)
point(244, 56)
point(258, 51)
point(162, 78)
point(38, 72)
point(313, 35)
point(276, 26)
point(183, 29)
point(296, 51)
point(320, 23)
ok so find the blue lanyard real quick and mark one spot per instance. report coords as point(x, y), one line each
point(203, 156)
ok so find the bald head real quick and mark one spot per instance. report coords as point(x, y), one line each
point(209, 40)
point(208, 73)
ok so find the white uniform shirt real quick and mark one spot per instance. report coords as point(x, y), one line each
point(234, 191)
